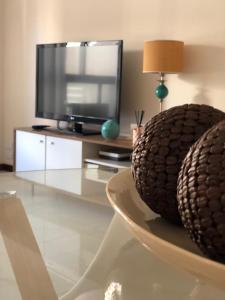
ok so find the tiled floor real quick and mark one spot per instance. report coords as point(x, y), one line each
point(68, 231)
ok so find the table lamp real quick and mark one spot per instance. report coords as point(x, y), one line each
point(162, 56)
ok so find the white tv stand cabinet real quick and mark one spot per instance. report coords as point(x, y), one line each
point(48, 149)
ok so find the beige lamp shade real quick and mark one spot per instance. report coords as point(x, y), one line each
point(163, 56)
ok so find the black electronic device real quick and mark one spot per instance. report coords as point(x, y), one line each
point(79, 81)
point(40, 127)
point(115, 154)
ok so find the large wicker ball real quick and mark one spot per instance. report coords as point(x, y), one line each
point(201, 192)
point(160, 150)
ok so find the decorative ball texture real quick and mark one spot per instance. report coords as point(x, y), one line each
point(160, 150)
point(201, 192)
point(110, 130)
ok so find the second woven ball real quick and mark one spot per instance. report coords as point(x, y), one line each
point(201, 192)
point(159, 152)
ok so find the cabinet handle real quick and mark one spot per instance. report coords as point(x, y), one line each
point(52, 143)
point(41, 141)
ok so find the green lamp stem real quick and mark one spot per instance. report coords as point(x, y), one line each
point(161, 91)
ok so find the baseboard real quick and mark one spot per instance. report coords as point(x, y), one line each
point(5, 167)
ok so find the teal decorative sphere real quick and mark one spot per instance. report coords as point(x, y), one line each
point(161, 91)
point(110, 130)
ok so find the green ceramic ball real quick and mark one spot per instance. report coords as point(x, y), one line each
point(110, 130)
point(161, 91)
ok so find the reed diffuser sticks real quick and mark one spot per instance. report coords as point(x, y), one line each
point(139, 115)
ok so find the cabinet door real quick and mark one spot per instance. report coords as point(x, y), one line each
point(30, 151)
point(63, 153)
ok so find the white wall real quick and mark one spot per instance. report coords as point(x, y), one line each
point(200, 24)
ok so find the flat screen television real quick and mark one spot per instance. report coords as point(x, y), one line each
point(79, 81)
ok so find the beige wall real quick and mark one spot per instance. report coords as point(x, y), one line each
point(200, 24)
point(1, 79)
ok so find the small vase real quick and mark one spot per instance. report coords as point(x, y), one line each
point(136, 133)
point(110, 130)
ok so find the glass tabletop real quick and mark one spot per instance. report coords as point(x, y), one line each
point(69, 214)
point(86, 251)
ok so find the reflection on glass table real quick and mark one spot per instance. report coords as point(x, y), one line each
point(87, 251)
point(67, 227)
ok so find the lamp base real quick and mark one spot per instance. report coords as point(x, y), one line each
point(161, 91)
point(161, 104)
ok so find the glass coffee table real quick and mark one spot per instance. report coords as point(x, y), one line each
point(68, 212)
point(60, 239)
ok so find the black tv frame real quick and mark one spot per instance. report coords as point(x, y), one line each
point(80, 118)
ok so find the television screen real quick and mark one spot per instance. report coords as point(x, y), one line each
point(79, 79)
